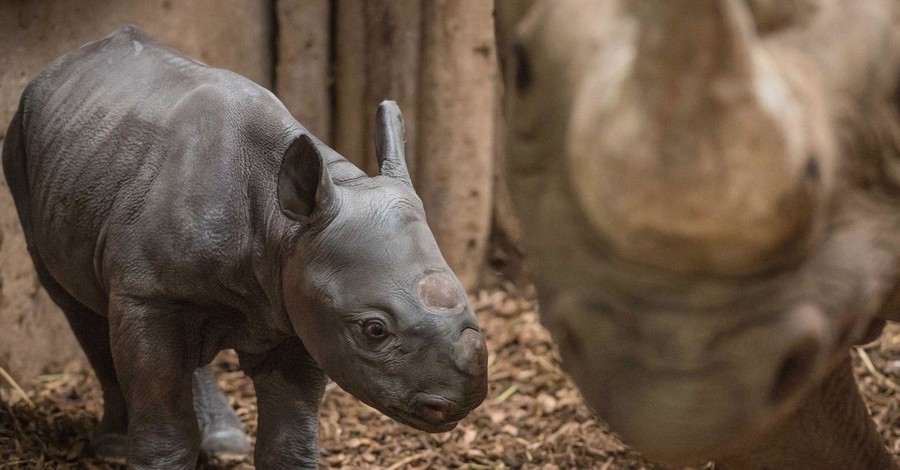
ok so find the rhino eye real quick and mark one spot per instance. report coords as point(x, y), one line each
point(375, 329)
point(523, 67)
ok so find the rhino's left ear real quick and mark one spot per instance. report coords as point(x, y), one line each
point(390, 138)
point(306, 191)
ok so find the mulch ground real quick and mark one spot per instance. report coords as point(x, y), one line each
point(533, 416)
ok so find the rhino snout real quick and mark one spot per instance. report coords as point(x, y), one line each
point(466, 370)
point(679, 400)
point(468, 363)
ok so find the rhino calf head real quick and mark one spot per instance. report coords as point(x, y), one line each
point(698, 257)
point(369, 293)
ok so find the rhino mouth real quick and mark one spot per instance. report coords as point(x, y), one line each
point(421, 423)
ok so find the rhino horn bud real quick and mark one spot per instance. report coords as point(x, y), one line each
point(440, 292)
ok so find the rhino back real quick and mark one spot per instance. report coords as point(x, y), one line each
point(143, 162)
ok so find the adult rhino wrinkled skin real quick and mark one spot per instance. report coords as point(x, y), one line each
point(173, 210)
point(709, 197)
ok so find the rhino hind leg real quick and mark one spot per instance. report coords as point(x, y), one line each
point(92, 331)
point(223, 435)
point(109, 440)
point(831, 429)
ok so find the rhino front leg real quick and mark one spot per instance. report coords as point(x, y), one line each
point(289, 386)
point(155, 372)
point(832, 429)
point(223, 434)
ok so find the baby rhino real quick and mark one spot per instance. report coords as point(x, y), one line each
point(173, 210)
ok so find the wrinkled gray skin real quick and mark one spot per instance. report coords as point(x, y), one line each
point(709, 199)
point(174, 210)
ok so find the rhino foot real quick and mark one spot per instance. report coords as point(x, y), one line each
point(225, 444)
point(223, 435)
point(110, 447)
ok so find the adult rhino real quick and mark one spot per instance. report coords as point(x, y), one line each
point(712, 213)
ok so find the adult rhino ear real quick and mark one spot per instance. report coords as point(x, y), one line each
point(306, 191)
point(390, 138)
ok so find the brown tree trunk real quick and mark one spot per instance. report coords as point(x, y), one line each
point(350, 81)
point(393, 29)
point(302, 79)
point(378, 47)
point(456, 129)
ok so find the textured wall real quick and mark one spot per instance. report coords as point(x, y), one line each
point(233, 34)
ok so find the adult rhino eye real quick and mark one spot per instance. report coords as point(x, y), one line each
point(375, 329)
point(812, 169)
point(523, 67)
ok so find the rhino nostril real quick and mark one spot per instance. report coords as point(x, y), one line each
point(569, 339)
point(795, 368)
point(433, 410)
point(434, 413)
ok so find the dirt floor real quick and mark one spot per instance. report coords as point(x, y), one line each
point(533, 416)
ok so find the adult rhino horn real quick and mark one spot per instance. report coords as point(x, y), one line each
point(691, 43)
point(698, 159)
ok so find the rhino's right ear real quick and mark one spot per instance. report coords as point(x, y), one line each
point(306, 191)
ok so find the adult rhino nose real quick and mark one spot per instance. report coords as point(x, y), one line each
point(714, 393)
point(470, 353)
point(802, 349)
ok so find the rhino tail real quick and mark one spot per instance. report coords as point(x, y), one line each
point(15, 172)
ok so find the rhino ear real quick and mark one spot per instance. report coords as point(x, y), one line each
point(390, 138)
point(306, 191)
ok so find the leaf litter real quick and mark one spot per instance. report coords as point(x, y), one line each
point(532, 418)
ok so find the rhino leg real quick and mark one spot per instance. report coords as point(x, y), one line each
point(289, 386)
point(832, 429)
point(109, 439)
point(155, 372)
point(91, 330)
point(223, 434)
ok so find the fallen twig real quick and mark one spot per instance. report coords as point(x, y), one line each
point(16, 387)
point(506, 394)
point(878, 375)
point(408, 460)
